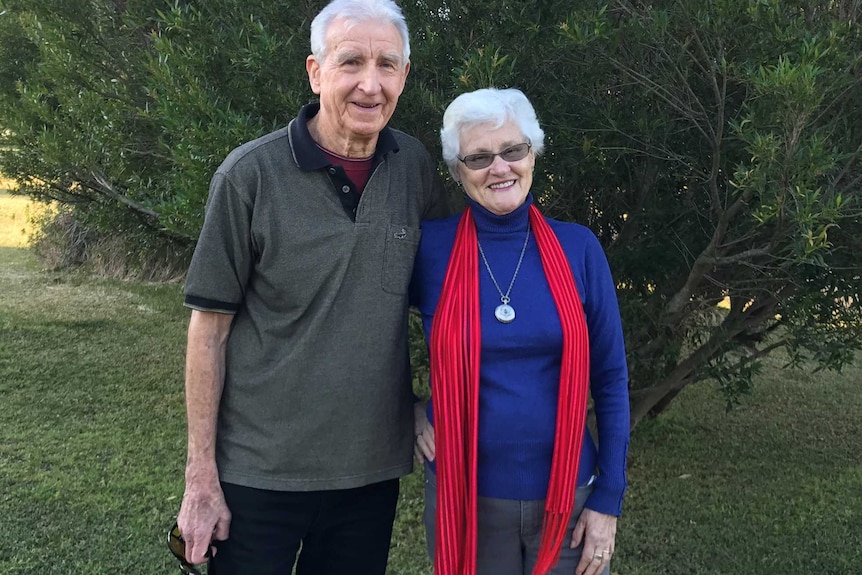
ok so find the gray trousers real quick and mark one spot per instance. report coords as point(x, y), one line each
point(509, 532)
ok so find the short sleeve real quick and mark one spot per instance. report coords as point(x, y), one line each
point(224, 255)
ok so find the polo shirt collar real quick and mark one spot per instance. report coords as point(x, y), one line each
point(308, 155)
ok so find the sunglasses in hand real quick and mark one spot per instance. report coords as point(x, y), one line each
point(178, 547)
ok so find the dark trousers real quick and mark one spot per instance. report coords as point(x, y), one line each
point(342, 531)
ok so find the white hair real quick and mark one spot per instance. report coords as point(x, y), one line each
point(354, 11)
point(491, 106)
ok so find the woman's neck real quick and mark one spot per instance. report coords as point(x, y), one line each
point(514, 221)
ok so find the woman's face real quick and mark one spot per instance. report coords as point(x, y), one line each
point(502, 186)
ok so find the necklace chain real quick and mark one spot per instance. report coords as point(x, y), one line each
point(505, 297)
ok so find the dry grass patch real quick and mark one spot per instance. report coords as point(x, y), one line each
point(7, 183)
point(16, 214)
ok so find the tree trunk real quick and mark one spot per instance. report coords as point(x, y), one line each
point(663, 403)
point(651, 401)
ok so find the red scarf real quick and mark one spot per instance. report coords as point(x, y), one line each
point(456, 341)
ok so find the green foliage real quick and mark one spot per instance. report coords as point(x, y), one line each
point(713, 147)
point(124, 109)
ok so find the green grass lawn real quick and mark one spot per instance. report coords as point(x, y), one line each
point(92, 447)
point(91, 421)
point(773, 487)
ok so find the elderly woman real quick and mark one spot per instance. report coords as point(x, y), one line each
point(521, 316)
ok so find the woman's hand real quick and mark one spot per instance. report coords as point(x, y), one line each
point(598, 532)
point(423, 446)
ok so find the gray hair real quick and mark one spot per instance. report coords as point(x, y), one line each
point(488, 106)
point(357, 11)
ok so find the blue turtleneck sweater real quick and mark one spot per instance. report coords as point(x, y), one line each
point(520, 361)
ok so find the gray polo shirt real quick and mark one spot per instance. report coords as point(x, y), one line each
point(317, 388)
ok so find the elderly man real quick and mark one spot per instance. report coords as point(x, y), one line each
point(297, 374)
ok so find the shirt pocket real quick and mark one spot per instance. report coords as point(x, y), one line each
point(398, 254)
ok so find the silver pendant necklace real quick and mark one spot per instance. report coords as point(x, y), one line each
point(504, 312)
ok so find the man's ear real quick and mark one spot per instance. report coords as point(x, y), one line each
point(312, 67)
point(404, 76)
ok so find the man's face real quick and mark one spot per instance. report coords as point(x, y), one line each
point(360, 79)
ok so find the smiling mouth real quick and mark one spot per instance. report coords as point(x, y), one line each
point(366, 106)
point(502, 185)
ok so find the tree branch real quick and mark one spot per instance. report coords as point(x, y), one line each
point(104, 186)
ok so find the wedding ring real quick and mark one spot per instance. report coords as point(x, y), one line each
point(600, 555)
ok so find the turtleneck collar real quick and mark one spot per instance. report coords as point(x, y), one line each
point(514, 221)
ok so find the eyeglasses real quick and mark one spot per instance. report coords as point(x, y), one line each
point(178, 547)
point(485, 159)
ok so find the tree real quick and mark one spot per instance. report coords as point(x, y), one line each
point(715, 150)
point(713, 147)
point(123, 109)
point(741, 130)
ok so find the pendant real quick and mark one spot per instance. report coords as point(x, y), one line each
point(504, 313)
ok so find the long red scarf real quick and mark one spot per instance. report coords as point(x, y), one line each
point(455, 349)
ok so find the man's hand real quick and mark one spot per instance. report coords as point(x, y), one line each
point(203, 517)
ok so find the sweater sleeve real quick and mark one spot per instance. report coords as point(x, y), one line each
point(608, 380)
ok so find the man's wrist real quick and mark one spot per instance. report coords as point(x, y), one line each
point(201, 469)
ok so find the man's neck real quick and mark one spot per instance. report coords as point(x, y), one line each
point(346, 146)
